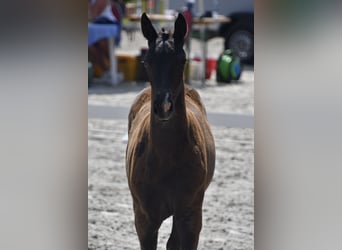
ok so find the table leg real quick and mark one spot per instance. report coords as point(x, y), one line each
point(204, 53)
point(113, 65)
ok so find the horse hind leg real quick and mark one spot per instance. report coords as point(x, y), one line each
point(173, 242)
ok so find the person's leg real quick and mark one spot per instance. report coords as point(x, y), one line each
point(104, 53)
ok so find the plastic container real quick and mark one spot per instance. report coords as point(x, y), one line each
point(228, 67)
point(196, 71)
point(127, 64)
point(210, 66)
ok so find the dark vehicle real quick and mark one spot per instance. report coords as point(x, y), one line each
point(238, 34)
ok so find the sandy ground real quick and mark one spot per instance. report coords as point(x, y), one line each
point(228, 209)
point(228, 98)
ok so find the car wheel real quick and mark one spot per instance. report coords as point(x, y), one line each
point(240, 39)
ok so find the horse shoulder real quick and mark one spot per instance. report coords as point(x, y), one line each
point(196, 114)
point(196, 135)
point(143, 97)
point(137, 144)
point(138, 129)
point(199, 132)
point(192, 96)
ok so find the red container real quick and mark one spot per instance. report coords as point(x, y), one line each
point(210, 66)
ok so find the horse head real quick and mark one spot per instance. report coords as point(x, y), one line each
point(164, 63)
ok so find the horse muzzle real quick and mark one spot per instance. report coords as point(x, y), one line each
point(163, 106)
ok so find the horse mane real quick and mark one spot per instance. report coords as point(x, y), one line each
point(164, 43)
point(165, 35)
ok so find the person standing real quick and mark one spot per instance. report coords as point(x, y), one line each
point(100, 12)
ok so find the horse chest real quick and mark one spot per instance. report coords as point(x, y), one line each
point(163, 191)
point(168, 177)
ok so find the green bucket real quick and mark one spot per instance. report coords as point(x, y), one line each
point(228, 67)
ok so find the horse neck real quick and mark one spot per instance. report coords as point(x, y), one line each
point(173, 131)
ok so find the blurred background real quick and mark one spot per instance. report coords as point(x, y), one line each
point(226, 25)
point(44, 124)
point(219, 48)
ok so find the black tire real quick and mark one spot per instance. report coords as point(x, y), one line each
point(240, 39)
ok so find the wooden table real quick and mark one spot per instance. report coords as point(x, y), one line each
point(211, 20)
point(152, 17)
point(109, 31)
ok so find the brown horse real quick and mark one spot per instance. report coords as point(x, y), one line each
point(170, 156)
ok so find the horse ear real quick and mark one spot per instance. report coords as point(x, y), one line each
point(180, 29)
point(147, 28)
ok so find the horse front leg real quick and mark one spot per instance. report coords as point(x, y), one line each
point(173, 242)
point(189, 225)
point(147, 230)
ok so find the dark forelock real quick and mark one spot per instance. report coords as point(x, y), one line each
point(164, 42)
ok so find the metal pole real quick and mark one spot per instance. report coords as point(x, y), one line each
point(200, 7)
point(114, 79)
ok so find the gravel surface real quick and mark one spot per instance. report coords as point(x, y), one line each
point(228, 213)
point(228, 209)
point(233, 98)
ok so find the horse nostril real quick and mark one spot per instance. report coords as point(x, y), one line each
point(163, 105)
point(167, 106)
